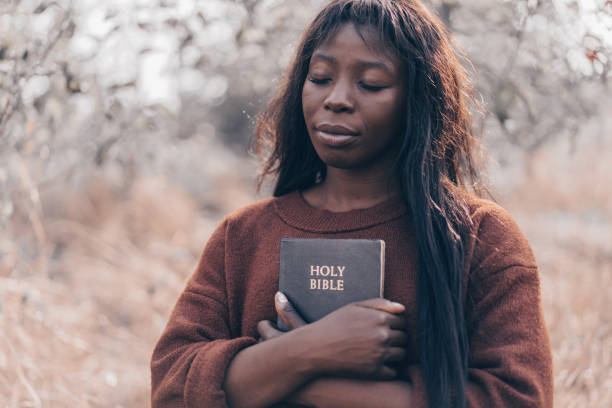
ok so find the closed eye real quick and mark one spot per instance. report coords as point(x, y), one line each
point(319, 81)
point(372, 88)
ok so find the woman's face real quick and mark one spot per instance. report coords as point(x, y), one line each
point(353, 101)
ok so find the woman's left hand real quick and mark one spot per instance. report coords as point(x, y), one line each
point(267, 330)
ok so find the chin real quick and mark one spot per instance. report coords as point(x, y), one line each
point(343, 163)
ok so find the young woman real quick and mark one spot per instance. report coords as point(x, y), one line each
point(370, 137)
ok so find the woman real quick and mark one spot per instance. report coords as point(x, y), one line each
point(370, 137)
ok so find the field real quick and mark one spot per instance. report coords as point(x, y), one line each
point(121, 124)
point(88, 279)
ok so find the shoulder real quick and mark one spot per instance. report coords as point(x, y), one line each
point(489, 218)
point(496, 238)
point(253, 210)
point(238, 227)
point(258, 216)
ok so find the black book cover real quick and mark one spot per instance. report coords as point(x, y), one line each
point(320, 275)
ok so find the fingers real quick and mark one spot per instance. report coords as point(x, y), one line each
point(385, 373)
point(396, 322)
point(383, 305)
point(391, 312)
point(267, 331)
point(395, 354)
point(287, 312)
point(392, 355)
point(397, 338)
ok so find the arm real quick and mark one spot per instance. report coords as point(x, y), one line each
point(509, 362)
point(273, 369)
point(199, 362)
point(333, 392)
point(510, 357)
point(342, 392)
point(268, 372)
point(191, 357)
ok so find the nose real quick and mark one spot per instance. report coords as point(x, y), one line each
point(339, 98)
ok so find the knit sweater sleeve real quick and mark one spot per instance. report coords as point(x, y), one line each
point(510, 361)
point(190, 359)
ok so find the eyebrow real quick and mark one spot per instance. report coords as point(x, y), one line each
point(362, 64)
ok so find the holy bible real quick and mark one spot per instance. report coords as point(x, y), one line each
point(320, 275)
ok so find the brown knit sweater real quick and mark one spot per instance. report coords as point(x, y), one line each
point(234, 283)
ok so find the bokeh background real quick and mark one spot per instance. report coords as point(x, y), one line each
point(123, 135)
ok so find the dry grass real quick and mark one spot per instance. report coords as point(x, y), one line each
point(84, 299)
point(565, 208)
point(80, 315)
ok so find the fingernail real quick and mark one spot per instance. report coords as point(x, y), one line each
point(281, 299)
point(395, 304)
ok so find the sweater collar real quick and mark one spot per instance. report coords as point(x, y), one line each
point(296, 212)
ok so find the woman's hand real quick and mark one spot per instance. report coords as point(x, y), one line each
point(267, 330)
point(358, 340)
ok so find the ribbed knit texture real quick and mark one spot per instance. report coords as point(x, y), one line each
point(233, 288)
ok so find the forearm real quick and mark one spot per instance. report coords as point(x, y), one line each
point(267, 372)
point(330, 392)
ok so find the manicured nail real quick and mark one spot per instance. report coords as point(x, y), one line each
point(281, 299)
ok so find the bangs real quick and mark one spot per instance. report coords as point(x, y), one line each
point(382, 20)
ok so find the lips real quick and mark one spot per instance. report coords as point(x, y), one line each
point(337, 130)
point(335, 135)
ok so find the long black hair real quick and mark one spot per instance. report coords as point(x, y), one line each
point(434, 165)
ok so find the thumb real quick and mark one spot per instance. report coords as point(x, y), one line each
point(287, 312)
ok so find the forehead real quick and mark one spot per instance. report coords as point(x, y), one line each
point(362, 42)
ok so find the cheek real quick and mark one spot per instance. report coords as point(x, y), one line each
point(384, 112)
point(309, 102)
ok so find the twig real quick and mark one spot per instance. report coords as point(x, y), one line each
point(34, 217)
point(14, 99)
point(21, 375)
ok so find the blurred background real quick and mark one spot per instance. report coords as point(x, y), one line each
point(123, 141)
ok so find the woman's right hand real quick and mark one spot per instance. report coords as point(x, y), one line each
point(359, 340)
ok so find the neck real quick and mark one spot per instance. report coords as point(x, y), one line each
point(345, 190)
